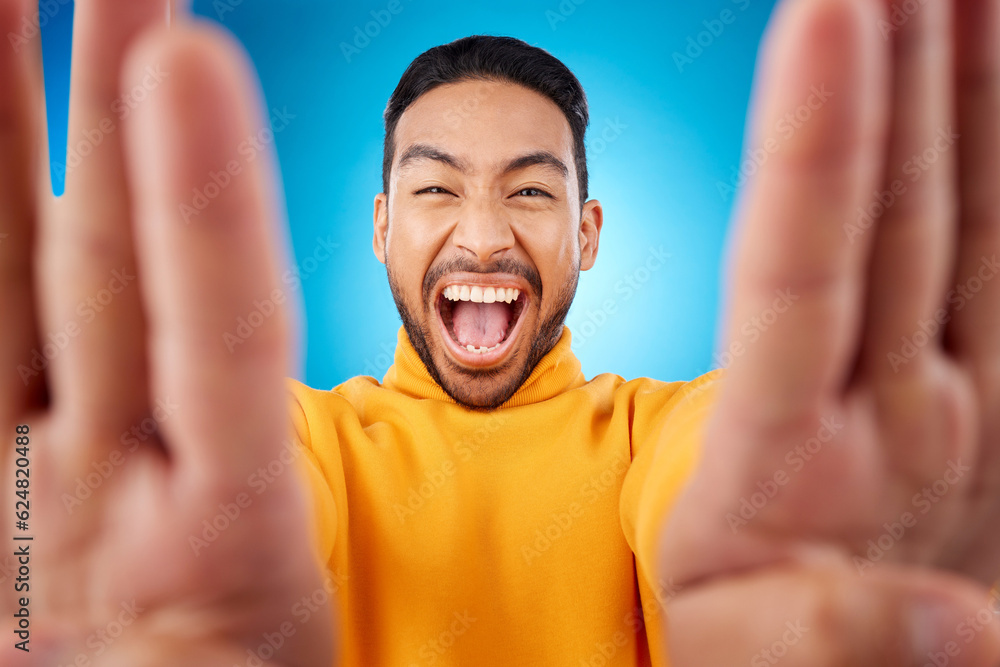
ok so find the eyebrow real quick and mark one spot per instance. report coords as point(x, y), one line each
point(418, 152)
point(538, 158)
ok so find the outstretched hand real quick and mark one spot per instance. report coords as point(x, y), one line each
point(846, 505)
point(153, 545)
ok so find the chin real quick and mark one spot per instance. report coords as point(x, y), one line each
point(481, 388)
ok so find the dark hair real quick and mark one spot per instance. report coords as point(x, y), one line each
point(488, 58)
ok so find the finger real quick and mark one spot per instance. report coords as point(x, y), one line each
point(210, 266)
point(915, 236)
point(89, 295)
point(797, 281)
point(18, 111)
point(154, 652)
point(20, 85)
point(975, 299)
point(177, 9)
point(833, 618)
point(973, 333)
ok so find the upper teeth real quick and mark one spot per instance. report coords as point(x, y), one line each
point(478, 294)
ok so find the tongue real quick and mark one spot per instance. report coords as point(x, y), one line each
point(480, 324)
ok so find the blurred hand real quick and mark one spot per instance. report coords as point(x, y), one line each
point(846, 506)
point(145, 423)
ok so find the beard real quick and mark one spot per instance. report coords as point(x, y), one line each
point(484, 389)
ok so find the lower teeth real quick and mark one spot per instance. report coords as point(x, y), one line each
point(482, 350)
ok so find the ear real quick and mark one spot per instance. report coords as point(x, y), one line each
point(381, 219)
point(591, 222)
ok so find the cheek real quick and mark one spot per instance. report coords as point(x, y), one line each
point(413, 244)
point(419, 231)
point(554, 251)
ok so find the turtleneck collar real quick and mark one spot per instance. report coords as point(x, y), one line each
point(557, 372)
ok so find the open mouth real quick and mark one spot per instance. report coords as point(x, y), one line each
point(480, 321)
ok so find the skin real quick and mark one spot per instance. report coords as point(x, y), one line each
point(160, 338)
point(900, 429)
point(455, 216)
point(913, 463)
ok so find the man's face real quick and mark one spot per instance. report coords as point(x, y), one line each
point(482, 234)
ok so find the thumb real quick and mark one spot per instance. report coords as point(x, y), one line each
point(831, 617)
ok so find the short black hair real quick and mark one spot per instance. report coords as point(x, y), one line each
point(490, 58)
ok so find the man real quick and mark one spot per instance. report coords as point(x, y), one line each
point(830, 501)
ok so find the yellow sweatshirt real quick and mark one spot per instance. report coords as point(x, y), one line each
point(522, 536)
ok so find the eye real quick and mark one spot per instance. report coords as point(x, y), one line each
point(533, 192)
point(433, 190)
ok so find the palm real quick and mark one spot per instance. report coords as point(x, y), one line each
point(156, 538)
point(845, 478)
point(150, 541)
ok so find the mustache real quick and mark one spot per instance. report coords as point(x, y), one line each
point(465, 264)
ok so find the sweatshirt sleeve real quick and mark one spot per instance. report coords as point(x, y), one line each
point(666, 439)
point(312, 470)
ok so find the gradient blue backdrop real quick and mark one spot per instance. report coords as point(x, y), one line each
point(672, 132)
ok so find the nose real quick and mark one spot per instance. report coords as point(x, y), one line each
point(483, 229)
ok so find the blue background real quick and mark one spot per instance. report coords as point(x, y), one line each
point(679, 136)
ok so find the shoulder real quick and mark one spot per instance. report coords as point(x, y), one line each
point(345, 392)
point(651, 403)
point(326, 410)
point(650, 394)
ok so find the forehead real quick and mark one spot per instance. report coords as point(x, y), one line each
point(485, 122)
